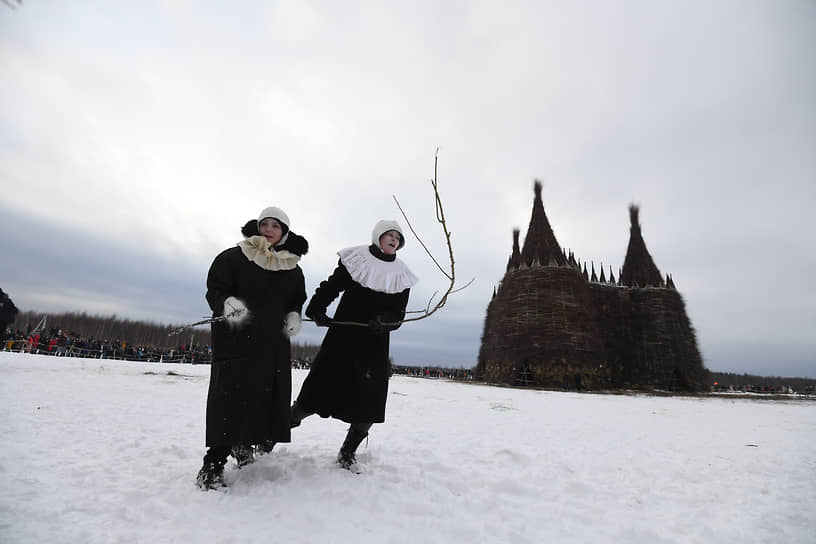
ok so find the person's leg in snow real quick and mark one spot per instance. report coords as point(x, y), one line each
point(346, 458)
point(211, 475)
point(243, 454)
point(265, 447)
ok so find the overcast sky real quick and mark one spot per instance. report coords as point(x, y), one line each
point(137, 137)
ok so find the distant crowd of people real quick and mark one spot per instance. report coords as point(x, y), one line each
point(57, 342)
point(433, 372)
point(764, 389)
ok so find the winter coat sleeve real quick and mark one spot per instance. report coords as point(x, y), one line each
point(298, 295)
point(327, 291)
point(396, 313)
point(220, 283)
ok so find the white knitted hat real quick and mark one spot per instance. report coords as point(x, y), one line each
point(278, 215)
point(383, 226)
point(275, 213)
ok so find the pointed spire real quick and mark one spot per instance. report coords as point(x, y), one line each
point(593, 278)
point(602, 279)
point(611, 277)
point(670, 282)
point(586, 276)
point(515, 257)
point(571, 260)
point(540, 242)
point(638, 268)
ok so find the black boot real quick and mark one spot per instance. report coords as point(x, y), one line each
point(243, 455)
point(265, 447)
point(211, 476)
point(346, 458)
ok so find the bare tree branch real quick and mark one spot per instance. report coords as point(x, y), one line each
point(451, 274)
point(410, 226)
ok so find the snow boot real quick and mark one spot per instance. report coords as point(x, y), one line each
point(243, 455)
point(348, 461)
point(211, 476)
point(346, 458)
point(265, 447)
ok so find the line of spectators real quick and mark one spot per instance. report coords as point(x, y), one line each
point(60, 343)
point(764, 389)
point(413, 371)
point(433, 372)
point(70, 344)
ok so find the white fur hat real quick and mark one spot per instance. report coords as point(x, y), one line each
point(383, 226)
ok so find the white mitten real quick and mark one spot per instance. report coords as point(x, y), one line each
point(235, 311)
point(292, 324)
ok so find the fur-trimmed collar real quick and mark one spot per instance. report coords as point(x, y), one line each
point(293, 243)
point(257, 250)
point(376, 274)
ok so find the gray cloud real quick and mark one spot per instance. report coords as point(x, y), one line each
point(50, 267)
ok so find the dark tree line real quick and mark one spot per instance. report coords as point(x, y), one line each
point(304, 352)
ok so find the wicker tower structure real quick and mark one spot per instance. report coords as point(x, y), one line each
point(551, 324)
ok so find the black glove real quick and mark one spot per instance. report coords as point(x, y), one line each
point(376, 325)
point(321, 319)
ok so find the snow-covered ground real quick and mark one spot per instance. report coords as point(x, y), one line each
point(105, 451)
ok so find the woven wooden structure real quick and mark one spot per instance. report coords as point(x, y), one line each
point(551, 324)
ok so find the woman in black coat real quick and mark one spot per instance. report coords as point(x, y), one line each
point(348, 379)
point(259, 288)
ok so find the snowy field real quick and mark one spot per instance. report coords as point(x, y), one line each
point(104, 451)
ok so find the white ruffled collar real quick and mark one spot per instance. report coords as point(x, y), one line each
point(376, 274)
point(257, 250)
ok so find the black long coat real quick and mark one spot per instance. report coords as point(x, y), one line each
point(251, 376)
point(348, 379)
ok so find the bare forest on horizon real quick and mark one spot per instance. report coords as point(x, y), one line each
point(145, 333)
